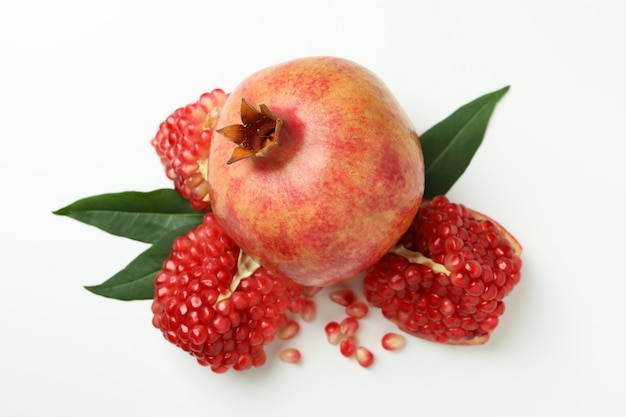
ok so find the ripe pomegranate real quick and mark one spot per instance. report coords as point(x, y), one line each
point(316, 171)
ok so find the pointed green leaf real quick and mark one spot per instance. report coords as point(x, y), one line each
point(136, 280)
point(142, 216)
point(449, 145)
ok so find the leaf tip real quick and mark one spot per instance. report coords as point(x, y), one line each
point(60, 212)
point(92, 289)
point(503, 90)
point(100, 290)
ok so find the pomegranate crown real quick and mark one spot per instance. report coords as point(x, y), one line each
point(257, 133)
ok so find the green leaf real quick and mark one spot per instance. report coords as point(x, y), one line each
point(142, 216)
point(449, 145)
point(136, 280)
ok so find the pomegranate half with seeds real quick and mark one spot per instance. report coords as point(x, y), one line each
point(447, 279)
point(315, 170)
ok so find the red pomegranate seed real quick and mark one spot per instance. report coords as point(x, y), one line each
point(290, 355)
point(309, 311)
point(489, 324)
point(357, 309)
point(348, 346)
point(393, 341)
point(333, 332)
point(309, 292)
point(349, 326)
point(342, 296)
point(364, 357)
point(289, 330)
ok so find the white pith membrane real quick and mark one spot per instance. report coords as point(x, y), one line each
point(246, 266)
point(209, 124)
point(211, 118)
point(419, 258)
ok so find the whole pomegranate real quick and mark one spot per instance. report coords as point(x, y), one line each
point(315, 170)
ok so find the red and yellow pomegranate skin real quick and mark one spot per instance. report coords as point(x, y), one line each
point(341, 186)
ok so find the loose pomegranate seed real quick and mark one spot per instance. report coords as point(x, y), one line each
point(393, 341)
point(364, 357)
point(342, 296)
point(289, 330)
point(309, 311)
point(333, 332)
point(290, 355)
point(309, 292)
point(349, 326)
point(357, 309)
point(348, 346)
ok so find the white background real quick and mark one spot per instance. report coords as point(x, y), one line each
point(83, 87)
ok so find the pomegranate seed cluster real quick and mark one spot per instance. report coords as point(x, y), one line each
point(450, 286)
point(201, 307)
point(182, 144)
point(445, 282)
